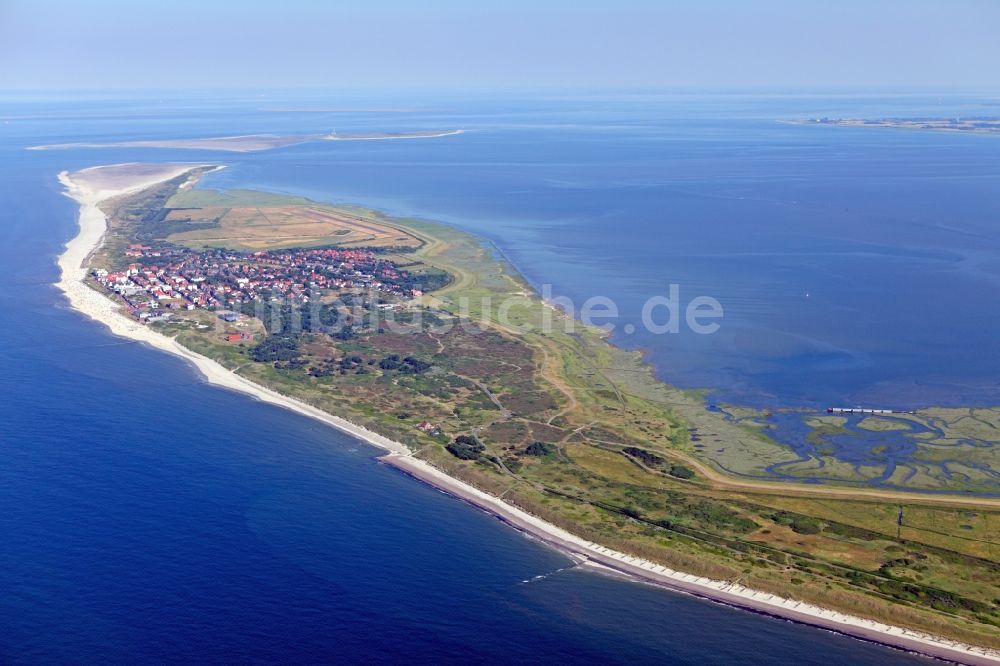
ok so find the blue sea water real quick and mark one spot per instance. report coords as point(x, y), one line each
point(147, 517)
point(854, 266)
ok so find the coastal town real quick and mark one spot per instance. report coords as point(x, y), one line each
point(177, 278)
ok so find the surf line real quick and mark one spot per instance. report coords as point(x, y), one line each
point(539, 577)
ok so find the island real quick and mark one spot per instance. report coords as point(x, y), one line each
point(419, 339)
point(249, 143)
point(972, 125)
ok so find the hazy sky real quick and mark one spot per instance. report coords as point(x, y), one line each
point(749, 44)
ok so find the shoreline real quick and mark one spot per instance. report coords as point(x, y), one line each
point(387, 137)
point(247, 143)
point(92, 227)
point(889, 124)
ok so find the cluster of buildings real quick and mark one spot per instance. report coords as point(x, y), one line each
point(429, 428)
point(178, 278)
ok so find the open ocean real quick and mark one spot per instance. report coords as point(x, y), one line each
point(147, 517)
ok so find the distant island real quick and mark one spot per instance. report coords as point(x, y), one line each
point(252, 142)
point(382, 327)
point(972, 125)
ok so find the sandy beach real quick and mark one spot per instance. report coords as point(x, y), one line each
point(247, 143)
point(388, 137)
point(92, 186)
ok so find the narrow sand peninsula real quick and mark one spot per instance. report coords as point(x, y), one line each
point(249, 143)
point(383, 136)
point(92, 186)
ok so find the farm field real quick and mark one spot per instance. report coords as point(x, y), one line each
point(256, 225)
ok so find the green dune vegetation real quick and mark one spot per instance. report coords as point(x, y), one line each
point(582, 434)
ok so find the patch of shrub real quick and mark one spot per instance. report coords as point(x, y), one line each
point(681, 472)
point(540, 449)
point(799, 524)
point(410, 365)
point(278, 347)
point(513, 464)
point(632, 512)
point(803, 525)
point(645, 457)
point(466, 447)
point(851, 531)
